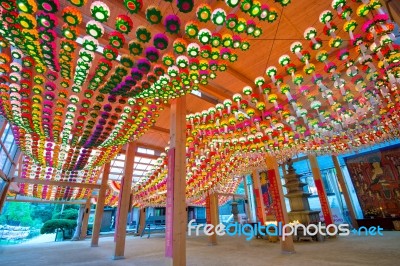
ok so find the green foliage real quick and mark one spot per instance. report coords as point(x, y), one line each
point(42, 212)
point(69, 214)
point(51, 226)
point(59, 207)
point(17, 213)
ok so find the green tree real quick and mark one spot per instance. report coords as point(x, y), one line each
point(70, 214)
point(17, 213)
point(51, 226)
point(42, 212)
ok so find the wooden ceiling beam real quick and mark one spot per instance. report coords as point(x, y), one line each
point(240, 76)
point(216, 91)
point(159, 129)
point(151, 147)
point(237, 196)
point(56, 183)
point(33, 200)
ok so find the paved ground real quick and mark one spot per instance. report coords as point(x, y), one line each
point(351, 250)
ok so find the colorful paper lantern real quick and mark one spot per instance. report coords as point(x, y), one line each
point(123, 24)
point(100, 11)
point(191, 29)
point(203, 12)
point(50, 6)
point(117, 40)
point(153, 15)
point(172, 24)
point(204, 36)
point(193, 49)
point(69, 32)
point(133, 6)
point(152, 54)
point(90, 43)
point(110, 53)
point(94, 29)
point(143, 34)
point(185, 6)
point(240, 26)
point(78, 3)
point(218, 16)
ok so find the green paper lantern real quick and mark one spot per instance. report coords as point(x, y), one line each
point(255, 9)
point(90, 43)
point(168, 60)
point(135, 47)
point(48, 6)
point(133, 6)
point(8, 5)
point(231, 21)
point(123, 24)
point(203, 12)
point(78, 3)
point(127, 61)
point(27, 21)
point(72, 16)
point(204, 36)
point(153, 15)
point(246, 5)
point(100, 11)
point(218, 16)
point(240, 26)
point(232, 3)
point(69, 32)
point(179, 46)
point(94, 29)
point(191, 29)
point(27, 6)
point(272, 15)
point(142, 34)
point(117, 40)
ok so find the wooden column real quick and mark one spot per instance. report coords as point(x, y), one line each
point(123, 204)
point(246, 205)
point(279, 201)
point(326, 209)
point(345, 191)
point(98, 216)
point(142, 220)
point(258, 197)
point(3, 195)
point(212, 215)
point(85, 220)
point(176, 219)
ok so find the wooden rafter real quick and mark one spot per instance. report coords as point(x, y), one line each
point(56, 183)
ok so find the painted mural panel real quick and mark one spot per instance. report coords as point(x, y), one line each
point(376, 178)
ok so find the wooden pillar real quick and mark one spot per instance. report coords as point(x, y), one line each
point(176, 219)
point(212, 215)
point(100, 206)
point(345, 191)
point(3, 195)
point(85, 220)
point(246, 204)
point(258, 196)
point(123, 204)
point(279, 201)
point(326, 209)
point(142, 220)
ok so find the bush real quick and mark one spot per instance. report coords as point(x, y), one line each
point(69, 214)
point(51, 226)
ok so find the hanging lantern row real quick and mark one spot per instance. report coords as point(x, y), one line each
point(32, 171)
